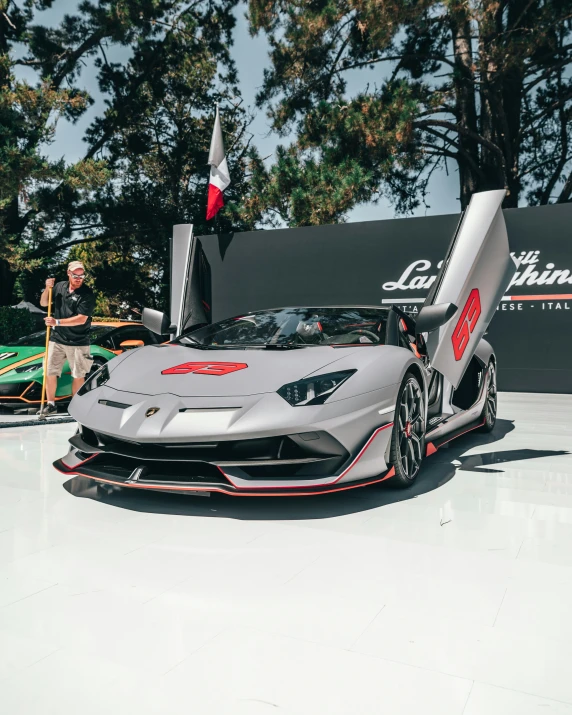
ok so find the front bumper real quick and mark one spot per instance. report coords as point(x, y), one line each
point(20, 394)
point(25, 394)
point(295, 465)
point(257, 444)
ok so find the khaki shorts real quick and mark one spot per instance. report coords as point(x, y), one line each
point(78, 356)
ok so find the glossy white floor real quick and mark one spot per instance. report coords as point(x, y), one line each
point(454, 598)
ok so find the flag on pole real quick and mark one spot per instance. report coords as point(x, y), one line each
point(219, 178)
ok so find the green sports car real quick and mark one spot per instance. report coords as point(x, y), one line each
point(22, 364)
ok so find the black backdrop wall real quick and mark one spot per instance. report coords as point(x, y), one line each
point(384, 262)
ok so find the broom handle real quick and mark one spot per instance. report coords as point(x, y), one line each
point(46, 353)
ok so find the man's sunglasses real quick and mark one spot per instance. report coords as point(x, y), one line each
point(79, 276)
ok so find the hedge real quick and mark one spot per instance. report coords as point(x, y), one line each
point(14, 324)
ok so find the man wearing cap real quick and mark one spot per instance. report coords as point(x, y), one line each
point(69, 339)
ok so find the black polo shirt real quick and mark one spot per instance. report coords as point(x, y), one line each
point(66, 305)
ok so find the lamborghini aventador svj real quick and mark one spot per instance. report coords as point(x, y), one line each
point(303, 400)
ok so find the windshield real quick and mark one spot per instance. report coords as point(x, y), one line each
point(39, 339)
point(293, 327)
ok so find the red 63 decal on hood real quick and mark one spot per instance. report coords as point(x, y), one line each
point(467, 323)
point(205, 368)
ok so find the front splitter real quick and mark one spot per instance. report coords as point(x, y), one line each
point(228, 489)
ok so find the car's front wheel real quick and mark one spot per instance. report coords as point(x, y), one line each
point(408, 437)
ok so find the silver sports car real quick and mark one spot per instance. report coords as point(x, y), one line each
point(303, 400)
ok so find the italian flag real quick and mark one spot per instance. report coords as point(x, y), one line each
point(219, 178)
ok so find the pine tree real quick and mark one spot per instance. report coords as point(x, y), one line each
point(483, 85)
point(157, 151)
point(145, 162)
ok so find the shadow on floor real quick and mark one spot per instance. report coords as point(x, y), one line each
point(437, 471)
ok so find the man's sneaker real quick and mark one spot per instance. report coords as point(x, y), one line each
point(48, 410)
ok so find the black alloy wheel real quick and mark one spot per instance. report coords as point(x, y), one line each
point(489, 414)
point(408, 437)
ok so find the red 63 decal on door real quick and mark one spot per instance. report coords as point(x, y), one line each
point(205, 368)
point(467, 323)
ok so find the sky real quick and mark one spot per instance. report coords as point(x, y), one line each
point(251, 57)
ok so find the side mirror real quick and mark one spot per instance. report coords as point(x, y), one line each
point(156, 322)
point(434, 316)
point(130, 344)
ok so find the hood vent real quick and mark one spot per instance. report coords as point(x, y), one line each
point(111, 403)
point(196, 410)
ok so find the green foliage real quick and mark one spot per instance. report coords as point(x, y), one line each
point(340, 161)
point(15, 323)
point(108, 319)
point(158, 152)
point(122, 283)
point(482, 85)
point(145, 166)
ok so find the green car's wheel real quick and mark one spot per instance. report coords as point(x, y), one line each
point(97, 363)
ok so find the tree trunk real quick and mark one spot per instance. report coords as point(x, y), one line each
point(466, 111)
point(519, 12)
point(492, 167)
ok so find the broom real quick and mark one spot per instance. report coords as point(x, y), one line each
point(48, 328)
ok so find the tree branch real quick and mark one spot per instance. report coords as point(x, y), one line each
point(564, 158)
point(438, 110)
point(534, 167)
point(28, 63)
point(443, 137)
point(40, 252)
point(566, 191)
point(9, 21)
point(336, 60)
point(432, 150)
point(547, 72)
point(424, 123)
point(555, 105)
point(461, 153)
point(71, 58)
point(391, 58)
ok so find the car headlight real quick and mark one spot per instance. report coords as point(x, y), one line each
point(99, 378)
point(313, 390)
point(29, 368)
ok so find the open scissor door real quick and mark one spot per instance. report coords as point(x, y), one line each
point(191, 292)
point(474, 276)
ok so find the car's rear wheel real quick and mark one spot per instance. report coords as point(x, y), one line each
point(489, 414)
point(408, 436)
